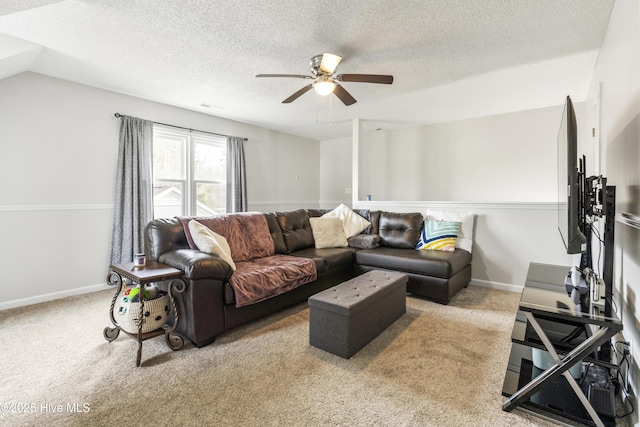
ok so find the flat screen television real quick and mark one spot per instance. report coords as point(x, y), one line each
point(570, 184)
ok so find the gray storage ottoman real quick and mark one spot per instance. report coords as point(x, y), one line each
point(345, 318)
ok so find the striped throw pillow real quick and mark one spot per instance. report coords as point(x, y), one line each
point(438, 236)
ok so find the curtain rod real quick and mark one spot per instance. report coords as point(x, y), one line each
point(118, 115)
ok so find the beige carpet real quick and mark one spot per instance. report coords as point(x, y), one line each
point(436, 366)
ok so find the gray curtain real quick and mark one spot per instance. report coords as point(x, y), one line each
point(236, 177)
point(133, 207)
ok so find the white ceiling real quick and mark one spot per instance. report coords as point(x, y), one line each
point(450, 60)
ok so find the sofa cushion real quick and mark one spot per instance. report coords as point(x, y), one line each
point(328, 232)
point(374, 217)
point(429, 263)
point(399, 230)
point(256, 238)
point(328, 259)
point(315, 213)
point(263, 278)
point(352, 222)
point(296, 229)
point(276, 233)
point(211, 242)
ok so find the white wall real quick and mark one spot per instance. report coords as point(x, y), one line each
point(59, 143)
point(283, 172)
point(335, 172)
point(617, 73)
point(502, 168)
point(507, 157)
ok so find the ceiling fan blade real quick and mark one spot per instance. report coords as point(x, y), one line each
point(329, 62)
point(295, 76)
point(343, 95)
point(365, 78)
point(298, 94)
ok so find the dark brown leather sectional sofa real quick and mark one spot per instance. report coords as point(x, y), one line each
point(207, 307)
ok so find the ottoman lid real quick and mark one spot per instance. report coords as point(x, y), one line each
point(358, 293)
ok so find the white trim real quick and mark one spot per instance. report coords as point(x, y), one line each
point(417, 205)
point(439, 205)
point(56, 207)
point(497, 285)
point(334, 203)
point(53, 296)
point(285, 203)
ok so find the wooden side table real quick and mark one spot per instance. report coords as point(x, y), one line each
point(151, 272)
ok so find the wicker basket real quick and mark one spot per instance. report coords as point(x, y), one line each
point(126, 313)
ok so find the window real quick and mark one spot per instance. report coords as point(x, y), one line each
point(189, 173)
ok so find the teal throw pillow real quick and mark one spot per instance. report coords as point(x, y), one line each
point(438, 236)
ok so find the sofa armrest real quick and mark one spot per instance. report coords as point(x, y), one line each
point(197, 265)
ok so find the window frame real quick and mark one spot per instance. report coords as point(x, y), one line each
point(189, 202)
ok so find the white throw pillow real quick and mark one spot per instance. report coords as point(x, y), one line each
point(352, 222)
point(465, 235)
point(211, 242)
point(328, 232)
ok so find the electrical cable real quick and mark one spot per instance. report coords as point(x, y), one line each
point(618, 378)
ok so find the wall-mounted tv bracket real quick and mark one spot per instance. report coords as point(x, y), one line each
point(600, 202)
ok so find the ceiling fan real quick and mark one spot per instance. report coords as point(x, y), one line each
point(324, 82)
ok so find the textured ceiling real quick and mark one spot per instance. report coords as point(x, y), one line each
point(450, 59)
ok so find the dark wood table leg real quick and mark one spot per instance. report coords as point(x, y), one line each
point(175, 341)
point(113, 279)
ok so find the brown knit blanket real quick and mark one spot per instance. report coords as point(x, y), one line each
point(262, 278)
point(260, 274)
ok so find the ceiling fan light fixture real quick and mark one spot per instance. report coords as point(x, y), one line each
point(324, 87)
point(329, 62)
point(324, 82)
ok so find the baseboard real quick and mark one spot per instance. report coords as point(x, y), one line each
point(497, 285)
point(52, 296)
point(100, 287)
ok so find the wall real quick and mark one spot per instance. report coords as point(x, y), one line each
point(58, 157)
point(335, 172)
point(282, 171)
point(507, 157)
point(616, 89)
point(502, 168)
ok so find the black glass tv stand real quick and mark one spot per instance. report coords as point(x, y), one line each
point(549, 320)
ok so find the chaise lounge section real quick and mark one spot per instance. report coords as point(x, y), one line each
point(387, 241)
point(437, 275)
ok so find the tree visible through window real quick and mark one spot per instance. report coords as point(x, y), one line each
point(189, 173)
